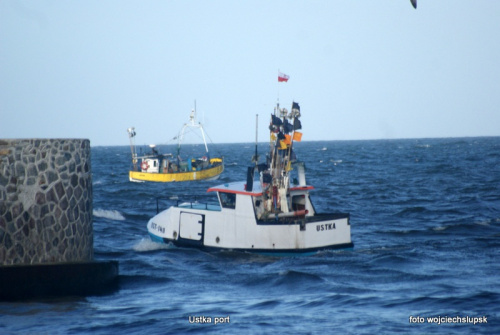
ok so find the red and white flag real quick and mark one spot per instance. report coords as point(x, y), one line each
point(283, 77)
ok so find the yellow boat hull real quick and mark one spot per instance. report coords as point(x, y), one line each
point(207, 174)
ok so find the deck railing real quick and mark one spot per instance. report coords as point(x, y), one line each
point(192, 203)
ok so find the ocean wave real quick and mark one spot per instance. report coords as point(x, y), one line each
point(146, 244)
point(141, 280)
point(486, 299)
point(292, 276)
point(411, 211)
point(272, 303)
point(108, 214)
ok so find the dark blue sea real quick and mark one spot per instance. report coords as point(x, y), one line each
point(425, 218)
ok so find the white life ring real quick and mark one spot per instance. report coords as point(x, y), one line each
point(144, 165)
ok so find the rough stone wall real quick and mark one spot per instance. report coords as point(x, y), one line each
point(45, 201)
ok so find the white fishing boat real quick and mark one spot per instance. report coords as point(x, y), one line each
point(272, 214)
point(166, 168)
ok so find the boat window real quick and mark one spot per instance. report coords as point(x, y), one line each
point(298, 202)
point(227, 200)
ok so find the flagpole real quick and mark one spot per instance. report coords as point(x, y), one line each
point(278, 86)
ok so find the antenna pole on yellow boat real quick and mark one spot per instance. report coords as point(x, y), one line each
point(131, 135)
point(199, 125)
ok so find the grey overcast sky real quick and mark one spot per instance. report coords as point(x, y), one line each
point(365, 69)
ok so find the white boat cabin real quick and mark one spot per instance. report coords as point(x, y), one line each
point(151, 165)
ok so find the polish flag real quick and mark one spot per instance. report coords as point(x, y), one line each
point(283, 77)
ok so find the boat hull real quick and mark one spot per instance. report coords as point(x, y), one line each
point(225, 230)
point(269, 252)
point(207, 174)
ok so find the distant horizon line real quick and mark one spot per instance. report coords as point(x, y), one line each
point(309, 141)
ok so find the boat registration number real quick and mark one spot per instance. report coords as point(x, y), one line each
point(154, 226)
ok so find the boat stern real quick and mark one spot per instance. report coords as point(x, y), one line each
point(331, 231)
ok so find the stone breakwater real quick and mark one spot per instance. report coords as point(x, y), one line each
point(45, 201)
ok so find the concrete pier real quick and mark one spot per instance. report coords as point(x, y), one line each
point(46, 214)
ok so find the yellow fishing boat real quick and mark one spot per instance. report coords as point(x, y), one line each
point(165, 168)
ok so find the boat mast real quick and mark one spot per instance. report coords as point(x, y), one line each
point(203, 135)
point(191, 124)
point(282, 137)
point(255, 158)
point(131, 135)
point(199, 125)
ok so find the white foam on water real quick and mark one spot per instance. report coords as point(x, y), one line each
point(108, 214)
point(146, 244)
